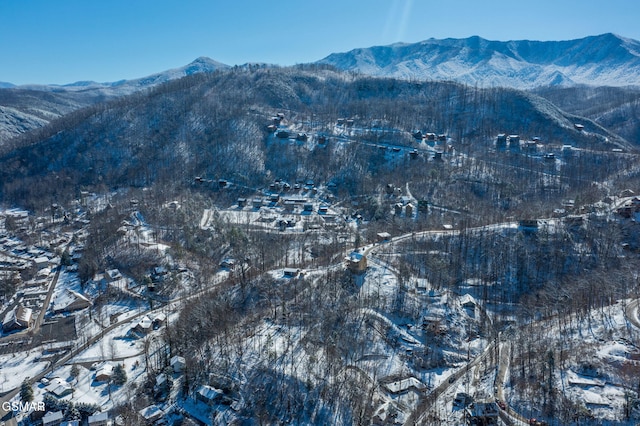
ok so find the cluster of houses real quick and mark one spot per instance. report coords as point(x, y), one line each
point(514, 142)
point(285, 134)
point(103, 373)
point(114, 278)
point(345, 122)
point(276, 121)
point(402, 204)
point(438, 141)
point(60, 388)
point(277, 127)
point(292, 202)
point(208, 395)
point(429, 137)
point(30, 296)
point(16, 257)
point(291, 206)
point(502, 140)
point(153, 413)
point(55, 418)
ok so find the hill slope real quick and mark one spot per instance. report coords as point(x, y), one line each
point(616, 108)
point(23, 108)
point(211, 125)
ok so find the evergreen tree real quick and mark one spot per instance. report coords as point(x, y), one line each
point(65, 258)
point(74, 414)
point(26, 391)
point(119, 375)
point(75, 370)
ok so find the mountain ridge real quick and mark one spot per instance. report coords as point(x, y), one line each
point(605, 60)
point(27, 107)
point(200, 64)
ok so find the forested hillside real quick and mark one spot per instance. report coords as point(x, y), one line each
point(616, 108)
point(264, 245)
point(214, 125)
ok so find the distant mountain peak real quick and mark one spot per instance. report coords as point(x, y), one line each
point(601, 60)
point(205, 60)
point(202, 64)
point(84, 83)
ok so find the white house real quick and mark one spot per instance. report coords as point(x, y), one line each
point(468, 302)
point(41, 262)
point(71, 301)
point(18, 318)
point(151, 413)
point(99, 419)
point(177, 363)
point(208, 394)
point(144, 326)
point(104, 372)
point(58, 387)
point(52, 418)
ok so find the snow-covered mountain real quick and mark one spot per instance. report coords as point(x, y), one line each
point(123, 87)
point(26, 107)
point(604, 60)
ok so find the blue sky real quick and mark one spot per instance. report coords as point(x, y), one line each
point(63, 41)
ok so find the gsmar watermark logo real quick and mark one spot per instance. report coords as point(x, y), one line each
point(23, 406)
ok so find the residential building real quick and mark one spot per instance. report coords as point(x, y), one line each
point(104, 372)
point(52, 418)
point(356, 262)
point(208, 394)
point(177, 363)
point(99, 419)
point(19, 318)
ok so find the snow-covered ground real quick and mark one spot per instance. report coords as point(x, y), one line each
point(601, 364)
point(14, 365)
point(114, 345)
